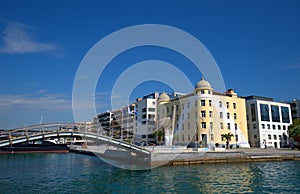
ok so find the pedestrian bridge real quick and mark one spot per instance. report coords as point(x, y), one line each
point(59, 130)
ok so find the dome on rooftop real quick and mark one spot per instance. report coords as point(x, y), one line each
point(203, 84)
point(163, 97)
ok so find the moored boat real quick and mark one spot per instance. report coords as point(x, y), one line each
point(46, 146)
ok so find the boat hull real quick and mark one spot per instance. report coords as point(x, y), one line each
point(35, 148)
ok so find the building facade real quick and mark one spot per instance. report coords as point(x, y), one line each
point(268, 122)
point(135, 122)
point(203, 116)
point(295, 109)
point(146, 114)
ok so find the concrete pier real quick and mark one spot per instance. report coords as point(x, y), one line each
point(185, 156)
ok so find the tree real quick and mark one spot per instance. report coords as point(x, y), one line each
point(294, 130)
point(159, 134)
point(228, 138)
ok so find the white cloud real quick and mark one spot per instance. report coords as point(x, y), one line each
point(40, 101)
point(17, 40)
point(294, 66)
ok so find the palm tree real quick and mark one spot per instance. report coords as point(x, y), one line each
point(159, 134)
point(228, 138)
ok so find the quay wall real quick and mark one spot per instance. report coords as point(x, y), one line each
point(164, 157)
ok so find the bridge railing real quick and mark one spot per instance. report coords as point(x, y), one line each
point(43, 129)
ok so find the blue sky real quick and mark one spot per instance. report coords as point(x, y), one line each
point(255, 44)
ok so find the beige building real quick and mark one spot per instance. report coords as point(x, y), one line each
point(203, 116)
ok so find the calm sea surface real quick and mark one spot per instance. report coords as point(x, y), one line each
point(74, 173)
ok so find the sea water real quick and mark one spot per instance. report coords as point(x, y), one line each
point(74, 173)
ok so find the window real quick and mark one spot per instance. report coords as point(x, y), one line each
point(285, 114)
point(176, 107)
point(275, 113)
point(151, 116)
point(167, 110)
point(188, 115)
point(210, 114)
point(182, 106)
point(227, 104)
point(182, 116)
point(153, 102)
point(182, 126)
point(284, 127)
point(202, 91)
point(188, 105)
point(220, 104)
point(228, 115)
point(151, 136)
point(254, 126)
point(255, 136)
point(182, 137)
point(275, 137)
point(235, 126)
point(263, 126)
point(209, 102)
point(189, 126)
point(274, 126)
point(203, 125)
point(234, 116)
point(196, 114)
point(264, 111)
point(210, 125)
point(253, 112)
point(151, 122)
point(268, 126)
point(221, 125)
point(202, 102)
point(269, 137)
point(203, 114)
point(208, 91)
point(221, 115)
point(189, 137)
point(236, 138)
point(196, 103)
point(228, 125)
point(234, 105)
point(279, 127)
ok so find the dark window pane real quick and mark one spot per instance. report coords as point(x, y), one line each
point(275, 113)
point(264, 111)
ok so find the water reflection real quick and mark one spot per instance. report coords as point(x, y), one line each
point(72, 173)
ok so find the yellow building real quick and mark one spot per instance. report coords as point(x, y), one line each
point(203, 116)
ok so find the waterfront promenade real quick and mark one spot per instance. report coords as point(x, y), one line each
point(162, 156)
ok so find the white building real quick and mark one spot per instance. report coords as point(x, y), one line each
point(146, 114)
point(136, 121)
point(267, 122)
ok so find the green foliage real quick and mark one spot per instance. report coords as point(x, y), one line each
point(294, 130)
point(159, 134)
point(227, 137)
